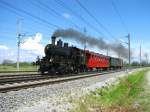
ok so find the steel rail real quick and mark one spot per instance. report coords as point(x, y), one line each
point(8, 88)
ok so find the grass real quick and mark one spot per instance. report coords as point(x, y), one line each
point(13, 68)
point(144, 99)
point(129, 95)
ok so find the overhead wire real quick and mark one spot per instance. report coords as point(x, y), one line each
point(119, 15)
point(29, 14)
point(16, 10)
point(62, 4)
point(45, 21)
point(55, 12)
point(21, 15)
point(94, 18)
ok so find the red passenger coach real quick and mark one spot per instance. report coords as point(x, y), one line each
point(98, 61)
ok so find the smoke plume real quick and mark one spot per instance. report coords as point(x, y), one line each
point(118, 48)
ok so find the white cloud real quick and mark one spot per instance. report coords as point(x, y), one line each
point(33, 44)
point(66, 15)
point(6, 53)
point(3, 47)
point(29, 51)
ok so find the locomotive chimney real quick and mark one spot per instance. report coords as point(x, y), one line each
point(53, 40)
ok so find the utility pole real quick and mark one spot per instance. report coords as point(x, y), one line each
point(18, 41)
point(84, 49)
point(129, 48)
point(146, 58)
point(85, 40)
point(107, 51)
point(140, 55)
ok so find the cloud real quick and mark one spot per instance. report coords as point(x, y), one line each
point(6, 53)
point(3, 47)
point(66, 15)
point(34, 44)
point(30, 49)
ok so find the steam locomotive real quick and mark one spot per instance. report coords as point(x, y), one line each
point(62, 59)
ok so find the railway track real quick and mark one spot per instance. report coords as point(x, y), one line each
point(17, 74)
point(9, 79)
point(12, 84)
point(17, 78)
point(16, 71)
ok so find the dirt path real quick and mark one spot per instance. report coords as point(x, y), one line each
point(144, 99)
point(148, 78)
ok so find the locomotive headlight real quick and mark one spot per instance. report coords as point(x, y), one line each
point(51, 60)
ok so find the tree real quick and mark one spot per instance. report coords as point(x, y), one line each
point(37, 60)
point(144, 63)
point(7, 62)
point(146, 57)
point(135, 63)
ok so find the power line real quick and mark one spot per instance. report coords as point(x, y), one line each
point(29, 14)
point(21, 15)
point(92, 16)
point(55, 12)
point(62, 4)
point(119, 15)
point(41, 6)
point(140, 56)
point(42, 20)
point(15, 12)
point(18, 42)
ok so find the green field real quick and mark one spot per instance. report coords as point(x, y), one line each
point(129, 95)
point(23, 67)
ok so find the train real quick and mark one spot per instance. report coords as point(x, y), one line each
point(61, 58)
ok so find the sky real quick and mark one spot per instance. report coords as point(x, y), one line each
point(38, 19)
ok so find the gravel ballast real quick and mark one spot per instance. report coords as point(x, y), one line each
point(53, 98)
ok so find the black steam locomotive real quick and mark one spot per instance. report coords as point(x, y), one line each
point(61, 58)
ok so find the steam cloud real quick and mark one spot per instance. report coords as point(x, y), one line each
point(118, 48)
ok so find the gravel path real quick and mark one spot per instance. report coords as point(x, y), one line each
point(53, 98)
